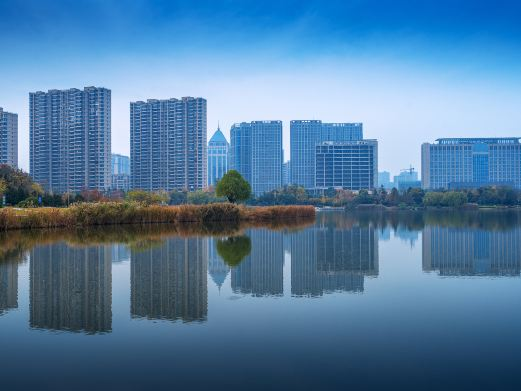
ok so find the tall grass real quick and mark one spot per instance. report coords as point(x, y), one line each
point(115, 213)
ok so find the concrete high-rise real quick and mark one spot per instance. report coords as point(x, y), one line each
point(349, 165)
point(218, 157)
point(456, 163)
point(257, 154)
point(168, 144)
point(70, 139)
point(8, 138)
point(305, 135)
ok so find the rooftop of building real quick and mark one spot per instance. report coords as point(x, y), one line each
point(218, 137)
point(353, 142)
point(478, 140)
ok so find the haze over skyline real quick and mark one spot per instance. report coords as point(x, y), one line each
point(410, 71)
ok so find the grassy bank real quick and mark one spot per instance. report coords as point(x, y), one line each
point(115, 213)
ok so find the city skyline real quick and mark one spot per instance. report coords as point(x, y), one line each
point(415, 76)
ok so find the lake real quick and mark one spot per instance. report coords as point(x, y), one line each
point(403, 300)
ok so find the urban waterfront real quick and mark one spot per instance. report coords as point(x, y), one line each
point(365, 300)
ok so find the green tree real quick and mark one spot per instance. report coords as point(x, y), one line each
point(234, 187)
point(234, 249)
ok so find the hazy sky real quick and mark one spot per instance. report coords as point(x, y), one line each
point(411, 71)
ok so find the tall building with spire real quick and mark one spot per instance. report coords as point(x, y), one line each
point(218, 150)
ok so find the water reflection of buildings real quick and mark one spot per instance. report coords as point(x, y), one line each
point(169, 281)
point(71, 288)
point(8, 286)
point(326, 258)
point(261, 272)
point(120, 253)
point(217, 269)
point(471, 252)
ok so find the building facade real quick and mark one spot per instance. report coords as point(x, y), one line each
point(70, 139)
point(168, 144)
point(256, 152)
point(8, 138)
point(240, 149)
point(120, 172)
point(286, 172)
point(456, 163)
point(347, 165)
point(384, 180)
point(305, 135)
point(218, 157)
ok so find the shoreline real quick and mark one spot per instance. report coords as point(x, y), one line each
point(128, 213)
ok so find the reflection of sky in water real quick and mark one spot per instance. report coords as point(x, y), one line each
point(347, 295)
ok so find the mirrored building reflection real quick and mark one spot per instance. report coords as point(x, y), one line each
point(471, 252)
point(217, 268)
point(329, 258)
point(71, 288)
point(8, 286)
point(261, 272)
point(120, 252)
point(169, 281)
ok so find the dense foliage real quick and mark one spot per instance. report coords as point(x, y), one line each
point(234, 187)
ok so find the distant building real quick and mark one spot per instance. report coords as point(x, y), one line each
point(286, 173)
point(218, 157)
point(240, 149)
point(168, 144)
point(8, 138)
point(70, 139)
point(305, 135)
point(456, 163)
point(256, 152)
point(407, 179)
point(347, 165)
point(120, 172)
point(384, 180)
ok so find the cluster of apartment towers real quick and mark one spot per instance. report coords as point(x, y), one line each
point(70, 150)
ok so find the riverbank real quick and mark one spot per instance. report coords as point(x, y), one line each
point(118, 213)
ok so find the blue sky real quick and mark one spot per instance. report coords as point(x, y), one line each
point(411, 71)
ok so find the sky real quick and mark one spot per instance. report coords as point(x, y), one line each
point(411, 71)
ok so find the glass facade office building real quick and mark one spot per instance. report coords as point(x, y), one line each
point(305, 135)
point(458, 163)
point(70, 139)
point(218, 156)
point(256, 152)
point(349, 165)
point(120, 172)
point(168, 144)
point(8, 138)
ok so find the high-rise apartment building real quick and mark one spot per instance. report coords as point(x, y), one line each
point(456, 163)
point(286, 168)
point(349, 165)
point(168, 144)
point(256, 152)
point(240, 149)
point(218, 157)
point(120, 172)
point(305, 135)
point(8, 138)
point(70, 139)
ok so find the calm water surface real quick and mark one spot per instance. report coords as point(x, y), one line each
point(367, 301)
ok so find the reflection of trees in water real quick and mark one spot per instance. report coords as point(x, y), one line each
point(234, 249)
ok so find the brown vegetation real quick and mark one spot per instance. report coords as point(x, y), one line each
point(115, 213)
